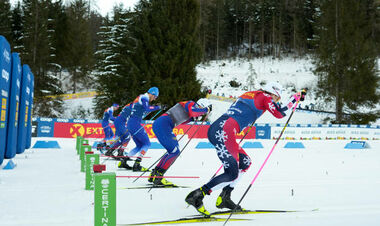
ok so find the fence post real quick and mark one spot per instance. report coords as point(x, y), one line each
point(84, 148)
point(90, 160)
point(79, 141)
point(105, 199)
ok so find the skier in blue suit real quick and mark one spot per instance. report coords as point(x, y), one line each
point(140, 107)
point(121, 132)
point(107, 117)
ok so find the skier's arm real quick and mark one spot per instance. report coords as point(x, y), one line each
point(147, 107)
point(194, 110)
point(300, 96)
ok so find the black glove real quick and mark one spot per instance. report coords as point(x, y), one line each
point(209, 108)
point(163, 107)
point(303, 94)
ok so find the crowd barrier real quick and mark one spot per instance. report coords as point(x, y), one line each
point(16, 99)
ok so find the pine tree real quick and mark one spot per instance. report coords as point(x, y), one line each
point(5, 20)
point(79, 44)
point(110, 69)
point(37, 46)
point(17, 29)
point(167, 49)
point(346, 56)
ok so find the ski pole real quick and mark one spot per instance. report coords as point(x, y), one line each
point(185, 145)
point(262, 165)
point(249, 129)
point(161, 156)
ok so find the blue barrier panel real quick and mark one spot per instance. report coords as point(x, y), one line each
point(10, 165)
point(263, 132)
point(45, 127)
point(46, 144)
point(5, 71)
point(294, 145)
point(14, 100)
point(29, 124)
point(252, 145)
point(204, 145)
point(357, 145)
point(24, 108)
point(156, 145)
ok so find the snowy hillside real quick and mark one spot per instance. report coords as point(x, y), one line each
point(293, 74)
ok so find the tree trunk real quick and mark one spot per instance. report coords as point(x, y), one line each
point(217, 30)
point(338, 99)
point(250, 38)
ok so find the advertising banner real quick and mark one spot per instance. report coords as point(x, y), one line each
point(45, 127)
point(5, 71)
point(29, 121)
point(14, 103)
point(95, 130)
point(24, 109)
point(328, 132)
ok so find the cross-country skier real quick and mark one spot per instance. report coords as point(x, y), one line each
point(107, 117)
point(139, 108)
point(121, 132)
point(222, 134)
point(163, 127)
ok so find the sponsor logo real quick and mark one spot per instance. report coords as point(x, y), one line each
point(4, 93)
point(45, 129)
point(261, 133)
point(79, 120)
point(62, 120)
point(46, 119)
point(6, 56)
point(18, 83)
point(77, 130)
point(5, 74)
point(92, 120)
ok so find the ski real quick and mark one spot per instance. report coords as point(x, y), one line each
point(228, 212)
point(155, 186)
point(187, 220)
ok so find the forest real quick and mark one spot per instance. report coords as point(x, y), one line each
point(160, 42)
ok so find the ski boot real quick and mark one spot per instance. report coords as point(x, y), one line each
point(160, 181)
point(224, 200)
point(123, 163)
point(152, 175)
point(109, 151)
point(138, 167)
point(120, 154)
point(100, 146)
point(195, 198)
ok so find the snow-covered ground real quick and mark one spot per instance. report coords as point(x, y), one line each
point(341, 186)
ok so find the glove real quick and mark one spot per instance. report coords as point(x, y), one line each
point(300, 96)
point(209, 108)
point(303, 94)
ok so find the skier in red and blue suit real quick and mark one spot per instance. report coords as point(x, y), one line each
point(222, 134)
point(139, 108)
point(163, 126)
point(121, 132)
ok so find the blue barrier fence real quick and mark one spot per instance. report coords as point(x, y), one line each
point(16, 99)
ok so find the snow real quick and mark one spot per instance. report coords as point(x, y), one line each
point(340, 185)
